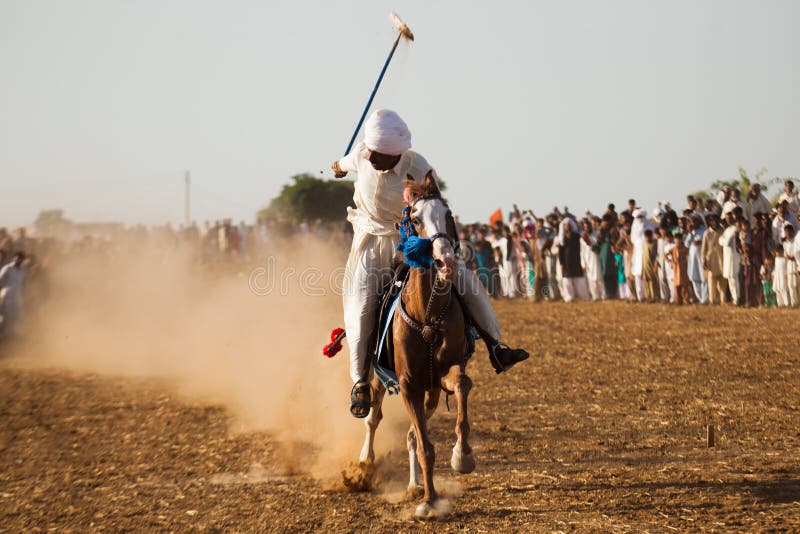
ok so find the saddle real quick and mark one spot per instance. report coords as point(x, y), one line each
point(383, 352)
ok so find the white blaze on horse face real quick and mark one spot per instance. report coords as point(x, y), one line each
point(432, 214)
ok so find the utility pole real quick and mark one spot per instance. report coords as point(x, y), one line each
point(187, 214)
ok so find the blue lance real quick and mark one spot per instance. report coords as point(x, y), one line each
point(403, 32)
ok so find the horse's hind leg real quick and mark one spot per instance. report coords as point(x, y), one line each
point(415, 405)
point(372, 421)
point(459, 383)
point(414, 469)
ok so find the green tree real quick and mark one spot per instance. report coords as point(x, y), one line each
point(744, 181)
point(309, 198)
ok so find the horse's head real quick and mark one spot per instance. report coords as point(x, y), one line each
point(432, 219)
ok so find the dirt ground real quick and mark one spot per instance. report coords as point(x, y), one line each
point(603, 429)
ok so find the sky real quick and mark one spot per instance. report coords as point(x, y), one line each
point(104, 104)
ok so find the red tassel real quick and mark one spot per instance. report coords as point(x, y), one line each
point(332, 349)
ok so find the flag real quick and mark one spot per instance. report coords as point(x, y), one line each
point(496, 217)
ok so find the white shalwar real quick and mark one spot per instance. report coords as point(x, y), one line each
point(790, 254)
point(665, 288)
point(379, 201)
point(731, 260)
point(11, 278)
point(591, 265)
point(780, 282)
point(697, 275)
point(669, 272)
point(575, 287)
point(638, 227)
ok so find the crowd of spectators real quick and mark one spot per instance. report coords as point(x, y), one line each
point(218, 247)
point(734, 248)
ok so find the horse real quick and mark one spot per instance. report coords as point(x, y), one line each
point(430, 344)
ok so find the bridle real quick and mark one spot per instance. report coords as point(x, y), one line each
point(438, 235)
point(432, 327)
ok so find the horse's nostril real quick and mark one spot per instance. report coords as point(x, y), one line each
point(439, 264)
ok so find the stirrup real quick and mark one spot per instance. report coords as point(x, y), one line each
point(519, 355)
point(360, 399)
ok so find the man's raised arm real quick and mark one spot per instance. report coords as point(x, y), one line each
point(342, 166)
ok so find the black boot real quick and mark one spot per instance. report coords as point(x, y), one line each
point(503, 357)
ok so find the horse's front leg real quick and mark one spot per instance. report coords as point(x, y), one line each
point(414, 400)
point(462, 460)
point(372, 421)
point(414, 469)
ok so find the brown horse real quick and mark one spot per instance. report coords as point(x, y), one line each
point(430, 343)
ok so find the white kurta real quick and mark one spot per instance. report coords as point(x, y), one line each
point(639, 226)
point(758, 205)
point(591, 266)
point(504, 269)
point(731, 205)
point(730, 256)
point(790, 253)
point(793, 200)
point(669, 270)
point(695, 262)
point(780, 282)
point(379, 201)
point(778, 225)
point(731, 260)
point(11, 279)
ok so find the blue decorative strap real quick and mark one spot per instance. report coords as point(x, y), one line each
point(387, 377)
point(418, 251)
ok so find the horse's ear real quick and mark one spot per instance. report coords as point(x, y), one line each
point(431, 187)
point(408, 192)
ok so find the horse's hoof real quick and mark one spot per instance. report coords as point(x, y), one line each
point(425, 511)
point(415, 491)
point(440, 508)
point(462, 463)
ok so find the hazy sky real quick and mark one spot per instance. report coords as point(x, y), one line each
point(104, 104)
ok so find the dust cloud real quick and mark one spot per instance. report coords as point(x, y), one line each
point(250, 340)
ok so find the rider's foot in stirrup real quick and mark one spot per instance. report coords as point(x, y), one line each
point(504, 357)
point(360, 399)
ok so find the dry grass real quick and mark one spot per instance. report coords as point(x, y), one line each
point(602, 430)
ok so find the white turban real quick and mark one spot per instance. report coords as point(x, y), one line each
point(385, 132)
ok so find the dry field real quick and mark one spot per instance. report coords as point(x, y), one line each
point(603, 430)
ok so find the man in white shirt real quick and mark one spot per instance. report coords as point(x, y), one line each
point(757, 203)
point(782, 218)
point(590, 259)
point(735, 201)
point(723, 195)
point(697, 276)
point(711, 252)
point(791, 254)
point(696, 208)
point(12, 276)
point(638, 228)
point(791, 197)
point(384, 161)
point(731, 259)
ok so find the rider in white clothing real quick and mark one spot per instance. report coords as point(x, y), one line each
point(384, 161)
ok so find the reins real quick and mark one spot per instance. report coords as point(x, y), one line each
point(431, 329)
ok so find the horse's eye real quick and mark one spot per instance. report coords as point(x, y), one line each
point(415, 221)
